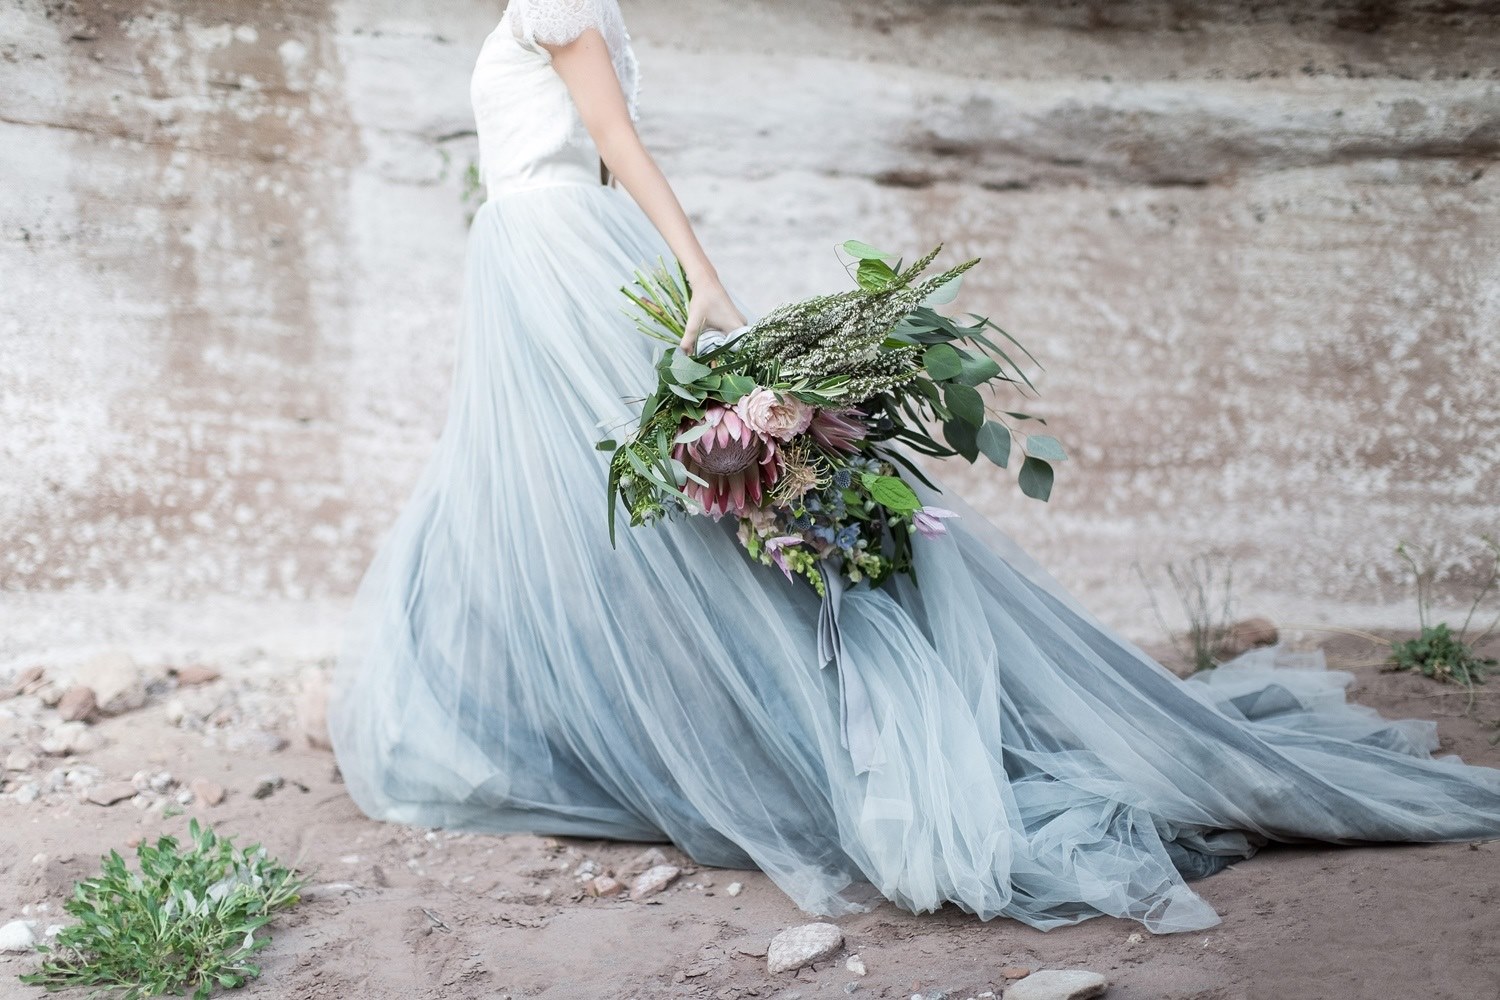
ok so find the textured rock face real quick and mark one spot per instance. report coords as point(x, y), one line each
point(1256, 252)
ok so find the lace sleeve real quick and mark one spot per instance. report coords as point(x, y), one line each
point(555, 22)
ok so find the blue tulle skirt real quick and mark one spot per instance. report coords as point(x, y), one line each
point(506, 670)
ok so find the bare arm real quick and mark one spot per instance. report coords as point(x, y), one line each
point(585, 67)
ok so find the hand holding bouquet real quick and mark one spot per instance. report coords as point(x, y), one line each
point(794, 424)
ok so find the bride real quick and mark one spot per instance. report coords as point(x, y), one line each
point(507, 670)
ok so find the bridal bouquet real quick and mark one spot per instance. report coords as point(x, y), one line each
point(792, 424)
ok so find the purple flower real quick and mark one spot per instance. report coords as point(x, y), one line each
point(775, 545)
point(928, 521)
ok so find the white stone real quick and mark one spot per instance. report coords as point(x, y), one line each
point(797, 946)
point(1058, 984)
point(71, 737)
point(735, 889)
point(855, 964)
point(17, 935)
point(653, 880)
point(119, 684)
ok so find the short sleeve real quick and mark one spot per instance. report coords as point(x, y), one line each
point(556, 22)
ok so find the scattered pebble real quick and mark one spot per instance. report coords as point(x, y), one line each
point(77, 703)
point(195, 674)
point(650, 858)
point(1059, 984)
point(1135, 938)
point(71, 737)
point(118, 684)
point(856, 965)
point(20, 760)
point(266, 784)
point(797, 946)
point(653, 880)
point(209, 792)
point(110, 792)
point(18, 936)
point(1015, 972)
point(603, 885)
point(735, 888)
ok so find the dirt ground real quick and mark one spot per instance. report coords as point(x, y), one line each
point(417, 913)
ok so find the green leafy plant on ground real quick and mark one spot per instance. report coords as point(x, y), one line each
point(1438, 651)
point(1204, 588)
point(187, 920)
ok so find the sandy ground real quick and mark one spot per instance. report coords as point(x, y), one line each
point(416, 913)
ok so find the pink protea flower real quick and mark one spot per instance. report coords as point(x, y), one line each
point(738, 464)
point(837, 430)
point(780, 417)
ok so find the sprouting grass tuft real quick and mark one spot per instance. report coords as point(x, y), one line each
point(186, 920)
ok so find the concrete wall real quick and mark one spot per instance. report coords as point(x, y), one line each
point(1257, 251)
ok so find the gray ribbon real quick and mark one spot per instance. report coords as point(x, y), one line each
point(856, 717)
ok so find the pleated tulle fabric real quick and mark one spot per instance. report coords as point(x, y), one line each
point(506, 670)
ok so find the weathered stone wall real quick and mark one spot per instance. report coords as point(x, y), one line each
point(1257, 250)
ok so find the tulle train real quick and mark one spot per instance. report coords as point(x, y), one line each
point(506, 670)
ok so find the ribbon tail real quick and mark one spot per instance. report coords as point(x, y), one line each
point(857, 731)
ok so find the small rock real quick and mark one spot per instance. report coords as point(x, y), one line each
point(603, 885)
point(797, 946)
point(649, 858)
point(20, 760)
point(856, 965)
point(852, 986)
point(23, 680)
point(195, 674)
point(1015, 972)
point(18, 936)
point(266, 784)
point(110, 792)
point(77, 703)
point(49, 694)
point(735, 888)
point(71, 737)
point(653, 880)
point(29, 792)
point(1135, 938)
point(118, 684)
point(1245, 635)
point(210, 792)
point(1059, 984)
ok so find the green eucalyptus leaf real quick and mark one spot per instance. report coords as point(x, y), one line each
point(732, 387)
point(942, 362)
point(961, 437)
point(1045, 446)
point(608, 444)
point(944, 293)
point(965, 402)
point(1036, 478)
point(685, 370)
point(994, 440)
point(978, 369)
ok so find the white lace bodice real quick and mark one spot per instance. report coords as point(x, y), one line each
point(530, 132)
